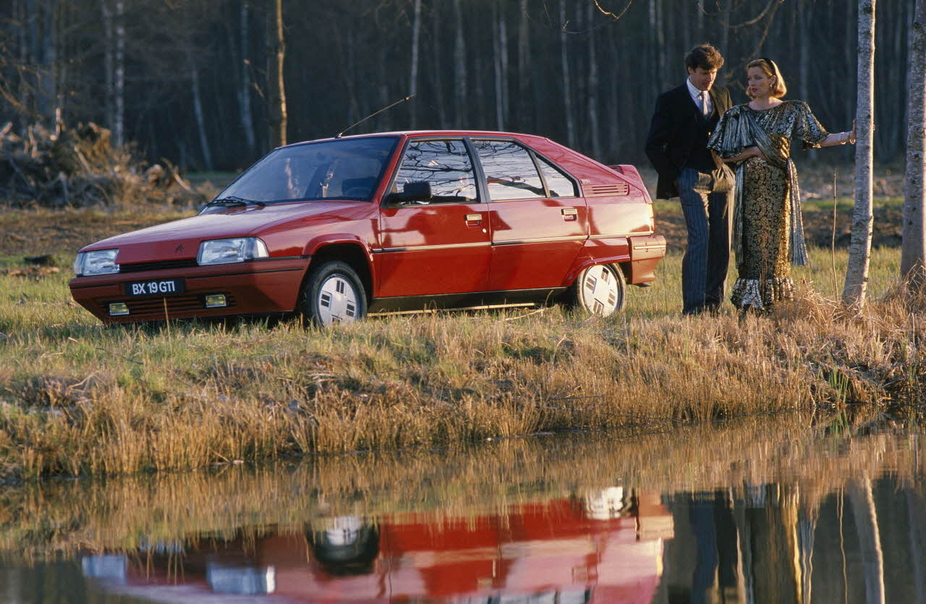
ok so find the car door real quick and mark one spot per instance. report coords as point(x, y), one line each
point(440, 245)
point(538, 223)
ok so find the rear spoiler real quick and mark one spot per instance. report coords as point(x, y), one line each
point(627, 170)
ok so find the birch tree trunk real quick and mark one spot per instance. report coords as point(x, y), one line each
point(109, 61)
point(459, 61)
point(503, 50)
point(437, 67)
point(523, 109)
point(198, 112)
point(567, 85)
point(866, 525)
point(48, 68)
point(497, 65)
point(913, 249)
point(244, 82)
point(413, 76)
point(593, 87)
point(276, 88)
point(118, 128)
point(853, 294)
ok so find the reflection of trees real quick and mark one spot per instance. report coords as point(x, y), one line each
point(443, 164)
point(509, 165)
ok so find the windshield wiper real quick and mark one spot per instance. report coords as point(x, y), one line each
point(231, 202)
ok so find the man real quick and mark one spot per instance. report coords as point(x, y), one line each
point(687, 169)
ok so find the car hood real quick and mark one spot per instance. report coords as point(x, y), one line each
point(180, 239)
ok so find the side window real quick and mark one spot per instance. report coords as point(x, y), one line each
point(509, 169)
point(560, 185)
point(445, 164)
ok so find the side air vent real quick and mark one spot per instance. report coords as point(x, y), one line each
point(620, 188)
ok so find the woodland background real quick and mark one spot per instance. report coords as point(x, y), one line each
point(188, 80)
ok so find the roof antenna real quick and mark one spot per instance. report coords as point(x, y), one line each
point(340, 134)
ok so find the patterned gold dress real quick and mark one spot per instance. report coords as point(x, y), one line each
point(768, 235)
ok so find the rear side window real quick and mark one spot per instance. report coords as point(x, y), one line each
point(559, 184)
point(445, 164)
point(510, 171)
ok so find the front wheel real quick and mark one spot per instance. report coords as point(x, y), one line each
point(600, 290)
point(333, 292)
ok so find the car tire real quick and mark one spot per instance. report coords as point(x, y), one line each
point(600, 290)
point(333, 292)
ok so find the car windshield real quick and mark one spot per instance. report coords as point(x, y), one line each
point(341, 169)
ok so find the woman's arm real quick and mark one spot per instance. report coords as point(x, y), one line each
point(838, 138)
point(746, 154)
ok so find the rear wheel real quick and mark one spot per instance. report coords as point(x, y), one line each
point(600, 290)
point(333, 292)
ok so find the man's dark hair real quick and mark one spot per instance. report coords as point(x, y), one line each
point(704, 56)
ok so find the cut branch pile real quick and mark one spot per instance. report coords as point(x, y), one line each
point(79, 168)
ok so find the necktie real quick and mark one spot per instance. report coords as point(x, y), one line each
point(702, 102)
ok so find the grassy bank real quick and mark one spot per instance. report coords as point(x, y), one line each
point(78, 398)
point(60, 518)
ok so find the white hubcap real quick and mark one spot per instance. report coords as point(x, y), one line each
point(337, 300)
point(600, 291)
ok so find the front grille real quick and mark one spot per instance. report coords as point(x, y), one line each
point(153, 308)
point(140, 267)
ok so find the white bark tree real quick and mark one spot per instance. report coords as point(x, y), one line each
point(913, 251)
point(114, 67)
point(853, 294)
point(567, 84)
point(867, 527)
point(593, 86)
point(276, 85)
point(244, 80)
point(459, 62)
point(413, 75)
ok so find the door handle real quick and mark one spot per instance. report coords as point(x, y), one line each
point(473, 219)
point(570, 213)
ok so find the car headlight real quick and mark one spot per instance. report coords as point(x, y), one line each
point(97, 262)
point(227, 251)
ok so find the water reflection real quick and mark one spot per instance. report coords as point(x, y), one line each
point(703, 516)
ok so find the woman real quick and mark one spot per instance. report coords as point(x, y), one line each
point(767, 232)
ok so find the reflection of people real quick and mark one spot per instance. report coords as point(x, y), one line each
point(768, 235)
point(677, 148)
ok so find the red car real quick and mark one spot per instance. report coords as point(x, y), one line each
point(338, 228)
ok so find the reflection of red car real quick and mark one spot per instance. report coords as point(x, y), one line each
point(563, 548)
point(339, 228)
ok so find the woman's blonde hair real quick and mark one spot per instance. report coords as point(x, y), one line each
point(770, 69)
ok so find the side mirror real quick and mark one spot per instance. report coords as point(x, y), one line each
point(411, 192)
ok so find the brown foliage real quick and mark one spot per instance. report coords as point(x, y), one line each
point(78, 167)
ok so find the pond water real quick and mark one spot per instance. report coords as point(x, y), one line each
point(765, 511)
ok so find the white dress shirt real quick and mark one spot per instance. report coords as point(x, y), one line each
point(695, 96)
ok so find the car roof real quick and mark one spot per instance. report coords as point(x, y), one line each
point(423, 134)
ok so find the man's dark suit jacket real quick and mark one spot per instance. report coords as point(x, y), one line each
point(673, 132)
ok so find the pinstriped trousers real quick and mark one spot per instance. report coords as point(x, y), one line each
point(708, 216)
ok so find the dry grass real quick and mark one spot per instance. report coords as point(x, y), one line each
point(79, 398)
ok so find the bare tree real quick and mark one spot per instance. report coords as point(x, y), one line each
point(866, 524)
point(913, 252)
point(459, 61)
point(853, 294)
point(276, 85)
point(593, 85)
point(567, 85)
point(413, 75)
point(198, 112)
point(244, 80)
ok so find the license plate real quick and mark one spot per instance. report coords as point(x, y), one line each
point(161, 287)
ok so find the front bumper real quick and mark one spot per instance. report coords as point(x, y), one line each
point(257, 287)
